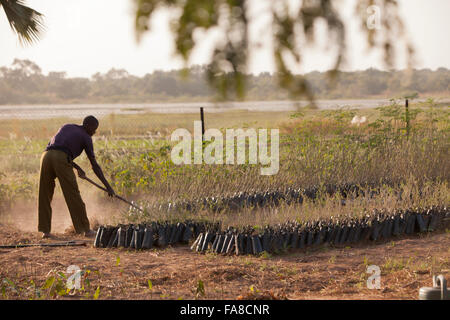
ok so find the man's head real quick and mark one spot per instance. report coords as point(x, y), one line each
point(90, 124)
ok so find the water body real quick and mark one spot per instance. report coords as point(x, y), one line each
point(99, 110)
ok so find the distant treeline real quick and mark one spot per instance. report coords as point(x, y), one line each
point(24, 83)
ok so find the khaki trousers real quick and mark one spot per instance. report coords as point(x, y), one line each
point(56, 164)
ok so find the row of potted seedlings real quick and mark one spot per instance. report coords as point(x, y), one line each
point(335, 231)
point(153, 234)
point(261, 198)
point(207, 236)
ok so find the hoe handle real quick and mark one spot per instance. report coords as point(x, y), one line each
point(115, 195)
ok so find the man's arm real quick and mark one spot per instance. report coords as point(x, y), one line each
point(99, 173)
point(89, 149)
point(81, 173)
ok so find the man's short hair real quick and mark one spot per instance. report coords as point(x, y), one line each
point(90, 121)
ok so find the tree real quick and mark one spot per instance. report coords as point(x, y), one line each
point(289, 26)
point(24, 21)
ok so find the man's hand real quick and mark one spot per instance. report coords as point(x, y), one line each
point(111, 192)
point(81, 173)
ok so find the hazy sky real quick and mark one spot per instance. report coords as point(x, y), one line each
point(87, 36)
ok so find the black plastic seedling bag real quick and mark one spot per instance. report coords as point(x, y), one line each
point(116, 240)
point(410, 223)
point(435, 220)
point(396, 226)
point(333, 230)
point(138, 237)
point(168, 228)
point(376, 227)
point(266, 241)
point(179, 233)
point(321, 235)
point(129, 235)
point(402, 223)
point(344, 234)
point(317, 238)
point(279, 242)
point(245, 243)
point(207, 239)
point(219, 245)
point(121, 237)
point(386, 232)
point(294, 240)
point(248, 245)
point(199, 246)
point(223, 247)
point(286, 239)
point(355, 229)
point(196, 242)
point(256, 245)
point(351, 234)
point(383, 226)
point(229, 242)
point(390, 228)
point(272, 240)
point(239, 244)
point(105, 236)
point(310, 237)
point(112, 239)
point(337, 235)
point(172, 231)
point(147, 242)
point(421, 223)
point(98, 236)
point(302, 239)
point(357, 235)
point(366, 232)
point(195, 230)
point(162, 236)
point(133, 240)
point(214, 243)
point(330, 234)
point(426, 219)
point(187, 234)
point(231, 245)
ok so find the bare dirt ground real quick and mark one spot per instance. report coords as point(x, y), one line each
point(177, 273)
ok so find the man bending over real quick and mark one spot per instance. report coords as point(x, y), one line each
point(57, 162)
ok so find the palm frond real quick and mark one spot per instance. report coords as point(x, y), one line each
point(24, 21)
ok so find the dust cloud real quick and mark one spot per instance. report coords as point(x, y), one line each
point(24, 214)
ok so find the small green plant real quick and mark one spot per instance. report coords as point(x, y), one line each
point(392, 265)
point(253, 289)
point(97, 293)
point(366, 262)
point(265, 255)
point(55, 285)
point(150, 287)
point(332, 259)
point(200, 289)
point(248, 262)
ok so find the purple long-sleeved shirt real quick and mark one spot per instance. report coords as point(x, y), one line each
point(72, 139)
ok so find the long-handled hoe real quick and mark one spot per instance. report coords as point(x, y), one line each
point(117, 196)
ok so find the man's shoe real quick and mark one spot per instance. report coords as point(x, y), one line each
point(46, 235)
point(90, 234)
